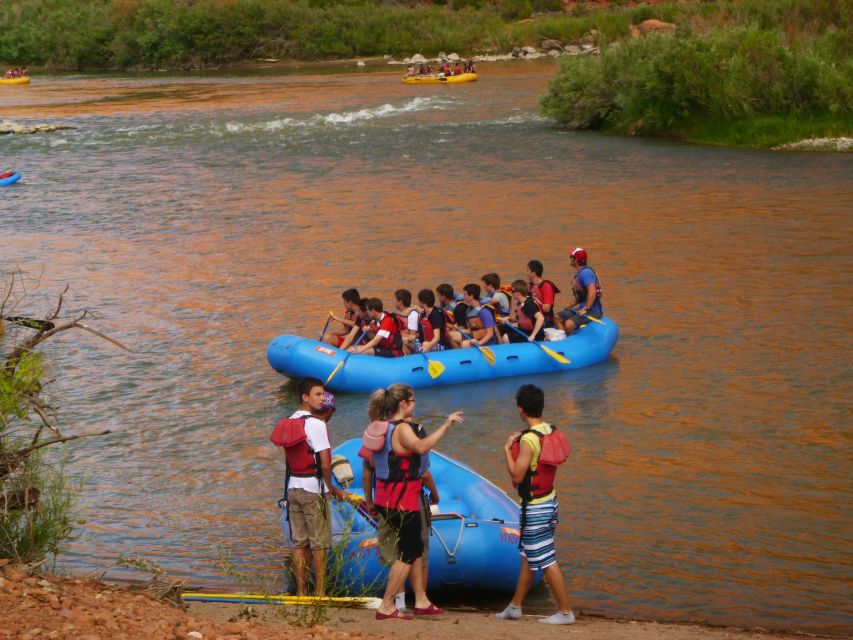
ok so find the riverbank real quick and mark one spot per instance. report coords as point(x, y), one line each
point(83, 609)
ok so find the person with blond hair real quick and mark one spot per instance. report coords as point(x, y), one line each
point(399, 470)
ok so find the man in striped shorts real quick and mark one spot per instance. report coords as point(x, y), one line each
point(539, 511)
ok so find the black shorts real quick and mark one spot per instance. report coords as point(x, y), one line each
point(386, 353)
point(578, 320)
point(407, 531)
point(517, 337)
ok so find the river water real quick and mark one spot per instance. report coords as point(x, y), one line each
point(198, 216)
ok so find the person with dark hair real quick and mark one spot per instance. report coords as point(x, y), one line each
point(447, 301)
point(363, 323)
point(308, 484)
point(587, 290)
point(526, 315)
point(532, 471)
point(387, 343)
point(543, 291)
point(496, 296)
point(432, 334)
point(352, 303)
point(480, 321)
point(399, 468)
point(408, 317)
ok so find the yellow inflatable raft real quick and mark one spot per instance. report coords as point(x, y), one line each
point(22, 80)
point(463, 77)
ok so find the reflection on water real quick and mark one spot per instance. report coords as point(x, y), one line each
point(201, 216)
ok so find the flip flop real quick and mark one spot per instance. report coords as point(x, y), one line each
point(431, 610)
point(389, 616)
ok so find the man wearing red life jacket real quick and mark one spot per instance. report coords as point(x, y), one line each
point(543, 291)
point(308, 484)
point(533, 473)
point(387, 343)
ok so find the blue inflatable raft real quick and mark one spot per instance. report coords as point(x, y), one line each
point(297, 357)
point(473, 543)
point(12, 179)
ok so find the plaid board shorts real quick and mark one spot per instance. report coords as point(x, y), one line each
point(537, 536)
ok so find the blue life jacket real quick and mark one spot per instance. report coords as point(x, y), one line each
point(391, 467)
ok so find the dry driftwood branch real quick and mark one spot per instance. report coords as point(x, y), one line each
point(40, 336)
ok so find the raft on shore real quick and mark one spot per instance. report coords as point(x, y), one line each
point(297, 357)
point(437, 79)
point(473, 540)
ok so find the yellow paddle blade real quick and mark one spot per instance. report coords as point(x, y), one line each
point(335, 371)
point(435, 368)
point(488, 354)
point(589, 317)
point(557, 356)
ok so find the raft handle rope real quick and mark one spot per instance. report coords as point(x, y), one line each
point(451, 555)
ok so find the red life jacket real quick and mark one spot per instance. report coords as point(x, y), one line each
point(535, 291)
point(302, 461)
point(524, 323)
point(426, 331)
point(394, 342)
point(555, 450)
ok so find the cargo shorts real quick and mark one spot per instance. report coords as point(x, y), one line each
point(310, 519)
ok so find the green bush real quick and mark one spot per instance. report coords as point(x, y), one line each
point(671, 85)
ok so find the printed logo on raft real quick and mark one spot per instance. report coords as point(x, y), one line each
point(326, 350)
point(510, 535)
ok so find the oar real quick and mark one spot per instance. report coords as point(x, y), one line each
point(30, 323)
point(261, 598)
point(558, 357)
point(434, 367)
point(325, 326)
point(488, 354)
point(344, 359)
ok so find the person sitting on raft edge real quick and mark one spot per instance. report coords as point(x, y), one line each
point(526, 314)
point(387, 343)
point(587, 290)
point(481, 320)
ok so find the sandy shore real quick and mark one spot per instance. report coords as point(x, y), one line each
point(64, 608)
point(472, 625)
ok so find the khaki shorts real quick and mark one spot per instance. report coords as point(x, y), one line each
point(310, 519)
point(387, 537)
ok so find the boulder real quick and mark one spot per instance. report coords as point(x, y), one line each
point(554, 53)
point(528, 51)
point(657, 26)
point(442, 55)
point(587, 47)
point(416, 59)
point(516, 52)
point(454, 57)
point(551, 45)
point(360, 63)
point(573, 49)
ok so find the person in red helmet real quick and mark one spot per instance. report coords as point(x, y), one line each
point(587, 290)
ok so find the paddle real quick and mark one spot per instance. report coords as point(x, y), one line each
point(558, 357)
point(343, 361)
point(325, 326)
point(434, 367)
point(488, 354)
point(30, 323)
